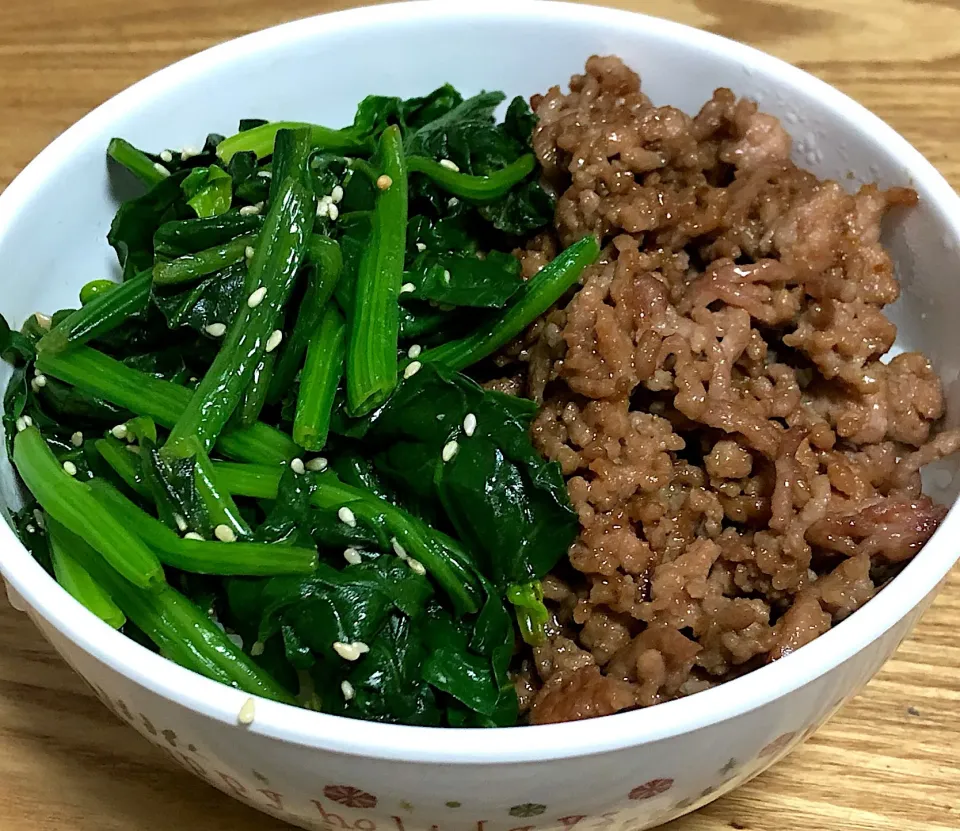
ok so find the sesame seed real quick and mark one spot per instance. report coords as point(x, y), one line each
point(43, 321)
point(337, 193)
point(188, 153)
point(120, 431)
point(180, 522)
point(265, 174)
point(166, 155)
point(192, 535)
point(274, 340)
point(257, 649)
point(161, 169)
point(225, 533)
point(334, 212)
point(414, 351)
point(296, 465)
point(406, 288)
point(28, 421)
point(384, 182)
point(249, 251)
point(416, 566)
point(38, 518)
point(256, 298)
point(347, 689)
point(317, 465)
point(412, 369)
point(76, 439)
point(216, 330)
point(70, 468)
point(31, 529)
point(40, 380)
point(21, 424)
point(469, 424)
point(294, 228)
point(452, 202)
point(449, 165)
point(352, 556)
point(449, 450)
point(133, 448)
point(398, 549)
point(247, 712)
point(350, 651)
point(421, 246)
point(249, 210)
point(235, 639)
point(347, 517)
point(446, 276)
point(323, 208)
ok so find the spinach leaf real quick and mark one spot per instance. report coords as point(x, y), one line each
point(15, 348)
point(214, 300)
point(464, 280)
point(208, 190)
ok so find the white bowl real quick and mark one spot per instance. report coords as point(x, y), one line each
point(632, 770)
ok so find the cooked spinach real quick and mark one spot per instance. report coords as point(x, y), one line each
point(290, 291)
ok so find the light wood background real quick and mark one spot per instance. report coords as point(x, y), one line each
point(889, 760)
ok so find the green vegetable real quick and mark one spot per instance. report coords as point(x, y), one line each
point(79, 584)
point(375, 320)
point(137, 162)
point(209, 191)
point(189, 267)
point(477, 189)
point(260, 140)
point(95, 288)
point(537, 295)
point(319, 380)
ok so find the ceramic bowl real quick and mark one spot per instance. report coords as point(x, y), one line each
point(629, 771)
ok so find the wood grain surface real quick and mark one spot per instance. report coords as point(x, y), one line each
point(889, 760)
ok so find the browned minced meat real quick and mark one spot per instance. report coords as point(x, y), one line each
point(744, 466)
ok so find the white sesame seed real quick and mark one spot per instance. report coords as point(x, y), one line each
point(449, 450)
point(416, 566)
point(384, 182)
point(249, 251)
point(133, 448)
point(296, 465)
point(161, 169)
point(350, 651)
point(216, 330)
point(40, 380)
point(449, 165)
point(76, 439)
point(294, 228)
point(347, 517)
point(28, 421)
point(33, 385)
point(21, 424)
point(70, 468)
point(225, 533)
point(412, 369)
point(274, 340)
point(256, 298)
point(265, 174)
point(180, 522)
point(317, 465)
point(452, 202)
point(446, 276)
point(257, 649)
point(469, 424)
point(120, 431)
point(166, 156)
point(38, 518)
point(192, 535)
point(398, 549)
point(323, 208)
point(352, 556)
point(414, 351)
point(406, 288)
point(235, 639)
point(189, 153)
point(249, 210)
point(31, 529)
point(421, 246)
point(337, 193)
point(347, 689)
point(43, 321)
point(248, 712)
point(334, 212)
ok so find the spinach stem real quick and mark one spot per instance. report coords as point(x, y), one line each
point(261, 140)
point(537, 295)
point(319, 380)
point(476, 189)
point(136, 161)
point(375, 321)
point(191, 267)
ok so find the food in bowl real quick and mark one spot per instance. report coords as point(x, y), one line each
point(729, 464)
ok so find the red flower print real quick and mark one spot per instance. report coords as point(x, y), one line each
point(778, 744)
point(350, 796)
point(650, 789)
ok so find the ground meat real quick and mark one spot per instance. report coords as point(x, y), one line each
point(743, 457)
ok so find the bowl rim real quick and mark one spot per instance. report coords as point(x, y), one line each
point(432, 745)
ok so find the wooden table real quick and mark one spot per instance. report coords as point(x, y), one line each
point(889, 760)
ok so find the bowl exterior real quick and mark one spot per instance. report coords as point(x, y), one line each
point(630, 771)
point(626, 790)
